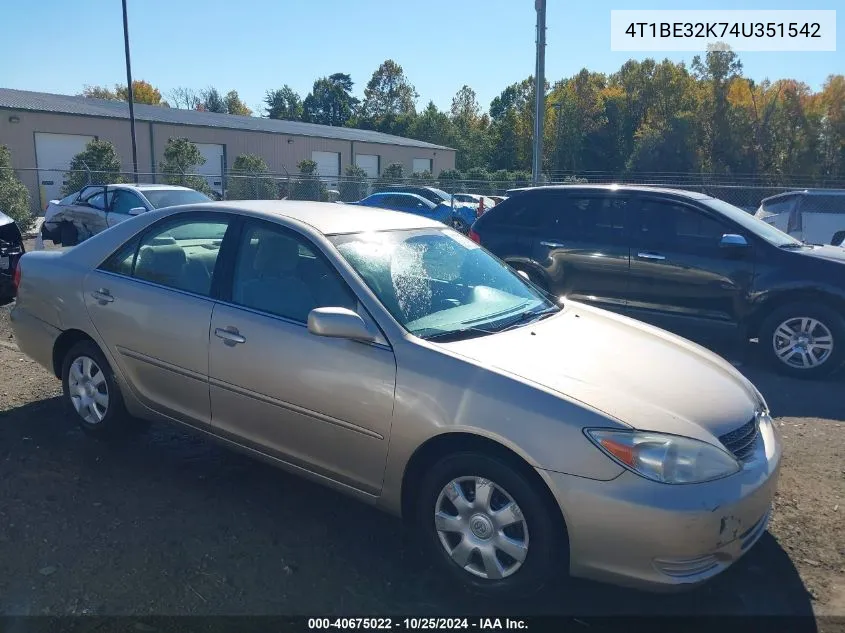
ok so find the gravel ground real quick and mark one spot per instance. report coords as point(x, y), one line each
point(171, 524)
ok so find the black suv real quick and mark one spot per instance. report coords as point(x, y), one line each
point(11, 250)
point(682, 261)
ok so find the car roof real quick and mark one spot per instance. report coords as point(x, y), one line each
point(613, 187)
point(808, 192)
point(144, 186)
point(326, 217)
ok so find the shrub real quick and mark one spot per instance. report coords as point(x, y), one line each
point(354, 185)
point(97, 164)
point(14, 197)
point(249, 179)
point(308, 185)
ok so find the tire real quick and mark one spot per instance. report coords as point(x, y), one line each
point(105, 421)
point(459, 225)
point(811, 360)
point(68, 234)
point(536, 535)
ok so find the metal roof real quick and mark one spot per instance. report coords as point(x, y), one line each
point(85, 106)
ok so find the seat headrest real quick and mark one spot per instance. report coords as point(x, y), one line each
point(277, 254)
point(167, 259)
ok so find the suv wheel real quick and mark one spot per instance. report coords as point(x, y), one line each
point(804, 340)
point(488, 525)
point(91, 392)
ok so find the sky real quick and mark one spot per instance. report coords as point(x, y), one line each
point(255, 45)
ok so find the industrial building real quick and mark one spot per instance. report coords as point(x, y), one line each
point(45, 131)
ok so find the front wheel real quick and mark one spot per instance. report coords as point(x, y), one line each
point(804, 340)
point(488, 526)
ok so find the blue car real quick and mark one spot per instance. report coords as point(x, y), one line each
point(459, 218)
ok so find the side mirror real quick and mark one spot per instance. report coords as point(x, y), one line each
point(732, 240)
point(838, 239)
point(523, 274)
point(339, 323)
point(136, 210)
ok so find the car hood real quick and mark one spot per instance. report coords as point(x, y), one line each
point(637, 374)
point(831, 253)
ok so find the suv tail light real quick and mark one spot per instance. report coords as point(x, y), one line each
point(475, 237)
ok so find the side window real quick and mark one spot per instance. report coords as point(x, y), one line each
point(524, 212)
point(181, 254)
point(282, 273)
point(824, 204)
point(98, 201)
point(124, 201)
point(780, 205)
point(122, 261)
point(599, 219)
point(667, 226)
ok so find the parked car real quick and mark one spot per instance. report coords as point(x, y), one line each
point(474, 199)
point(527, 438)
point(432, 194)
point(94, 208)
point(11, 249)
point(814, 216)
point(459, 217)
point(498, 199)
point(681, 260)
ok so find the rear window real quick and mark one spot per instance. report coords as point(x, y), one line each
point(824, 204)
point(160, 198)
point(780, 205)
point(518, 211)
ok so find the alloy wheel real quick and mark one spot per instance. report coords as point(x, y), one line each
point(802, 342)
point(481, 527)
point(88, 390)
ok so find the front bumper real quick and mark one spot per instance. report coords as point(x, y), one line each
point(635, 532)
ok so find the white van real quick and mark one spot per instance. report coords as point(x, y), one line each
point(812, 216)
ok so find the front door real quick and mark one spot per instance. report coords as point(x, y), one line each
point(322, 404)
point(151, 303)
point(122, 203)
point(583, 246)
point(680, 277)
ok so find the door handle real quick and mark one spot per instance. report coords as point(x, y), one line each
point(654, 256)
point(230, 336)
point(102, 295)
point(553, 244)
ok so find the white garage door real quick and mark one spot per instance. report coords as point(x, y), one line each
point(369, 163)
point(328, 166)
point(53, 153)
point(421, 165)
point(212, 169)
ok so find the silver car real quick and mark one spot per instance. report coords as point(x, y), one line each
point(394, 359)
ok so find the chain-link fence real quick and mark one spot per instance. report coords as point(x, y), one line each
point(744, 191)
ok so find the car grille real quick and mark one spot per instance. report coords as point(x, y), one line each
point(742, 441)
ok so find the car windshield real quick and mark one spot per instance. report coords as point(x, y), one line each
point(438, 283)
point(761, 229)
point(160, 198)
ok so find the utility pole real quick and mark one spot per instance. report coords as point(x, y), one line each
point(539, 92)
point(130, 93)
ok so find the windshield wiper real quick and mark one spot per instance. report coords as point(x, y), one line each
point(529, 316)
point(456, 335)
point(794, 245)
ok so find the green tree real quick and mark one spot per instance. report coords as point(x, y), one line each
point(181, 158)
point(249, 179)
point(353, 186)
point(99, 92)
point(212, 101)
point(97, 164)
point(234, 105)
point(330, 101)
point(433, 126)
point(308, 185)
point(392, 174)
point(283, 103)
point(389, 99)
point(14, 197)
point(716, 73)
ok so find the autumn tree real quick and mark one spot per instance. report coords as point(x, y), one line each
point(142, 92)
point(234, 105)
point(283, 103)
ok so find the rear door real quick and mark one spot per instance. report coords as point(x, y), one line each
point(583, 247)
point(510, 231)
point(151, 304)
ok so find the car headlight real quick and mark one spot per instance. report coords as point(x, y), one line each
point(668, 459)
